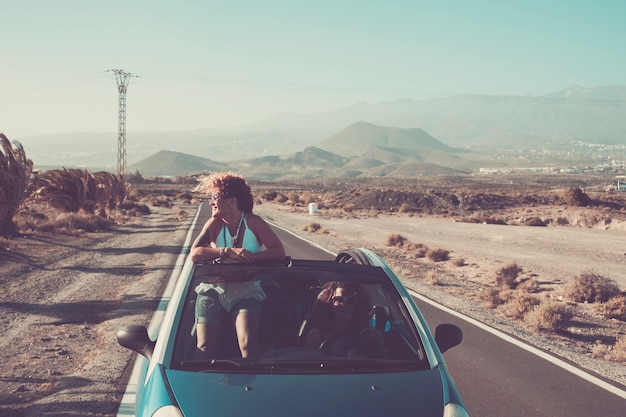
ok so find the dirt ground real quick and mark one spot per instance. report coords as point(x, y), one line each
point(64, 297)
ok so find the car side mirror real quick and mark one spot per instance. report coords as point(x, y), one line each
point(448, 336)
point(135, 337)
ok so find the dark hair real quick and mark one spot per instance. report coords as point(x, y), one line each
point(228, 185)
point(322, 314)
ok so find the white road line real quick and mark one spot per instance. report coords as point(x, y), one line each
point(552, 359)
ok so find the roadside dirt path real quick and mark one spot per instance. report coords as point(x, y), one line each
point(62, 302)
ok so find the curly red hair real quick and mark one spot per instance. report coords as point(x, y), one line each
point(227, 184)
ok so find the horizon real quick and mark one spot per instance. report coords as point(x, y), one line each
point(215, 66)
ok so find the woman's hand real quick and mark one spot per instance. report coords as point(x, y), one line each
point(239, 255)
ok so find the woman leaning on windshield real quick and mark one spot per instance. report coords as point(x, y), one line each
point(232, 234)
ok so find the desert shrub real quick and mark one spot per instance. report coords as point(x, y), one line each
point(269, 195)
point(533, 221)
point(293, 197)
point(281, 198)
point(459, 262)
point(528, 286)
point(590, 287)
point(518, 305)
point(576, 197)
point(438, 255)
point(396, 239)
point(161, 202)
point(312, 227)
point(506, 276)
point(618, 353)
point(134, 209)
point(308, 198)
point(135, 194)
point(72, 223)
point(614, 308)
point(549, 316)
point(495, 297)
point(433, 277)
point(406, 208)
point(348, 208)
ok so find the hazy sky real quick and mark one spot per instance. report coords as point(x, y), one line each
point(211, 63)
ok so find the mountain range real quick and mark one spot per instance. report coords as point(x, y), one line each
point(451, 134)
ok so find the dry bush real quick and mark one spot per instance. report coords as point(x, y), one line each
point(574, 196)
point(308, 198)
point(294, 198)
point(614, 308)
point(528, 286)
point(312, 227)
point(438, 255)
point(533, 221)
point(396, 240)
point(135, 194)
point(348, 208)
point(618, 353)
point(590, 287)
point(268, 195)
point(74, 224)
point(459, 262)
point(495, 297)
point(134, 209)
point(406, 208)
point(161, 202)
point(518, 305)
point(506, 276)
point(432, 277)
point(549, 316)
point(281, 198)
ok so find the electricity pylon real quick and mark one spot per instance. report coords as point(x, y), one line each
point(122, 77)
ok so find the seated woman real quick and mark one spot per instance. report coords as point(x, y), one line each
point(340, 322)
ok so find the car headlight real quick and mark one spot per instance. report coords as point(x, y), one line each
point(454, 410)
point(168, 411)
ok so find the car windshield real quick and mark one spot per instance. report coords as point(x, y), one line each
point(307, 321)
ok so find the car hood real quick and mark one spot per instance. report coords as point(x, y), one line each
point(375, 394)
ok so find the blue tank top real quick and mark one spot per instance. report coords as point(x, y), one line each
point(249, 241)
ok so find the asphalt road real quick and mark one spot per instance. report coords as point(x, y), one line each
point(495, 377)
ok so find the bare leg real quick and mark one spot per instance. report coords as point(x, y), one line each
point(208, 339)
point(247, 327)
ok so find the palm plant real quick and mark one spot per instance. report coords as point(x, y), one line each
point(15, 170)
point(74, 190)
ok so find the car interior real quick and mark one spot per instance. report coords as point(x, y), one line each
point(286, 314)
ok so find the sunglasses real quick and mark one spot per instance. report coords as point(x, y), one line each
point(349, 300)
point(216, 197)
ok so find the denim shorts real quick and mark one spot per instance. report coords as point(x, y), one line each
point(209, 309)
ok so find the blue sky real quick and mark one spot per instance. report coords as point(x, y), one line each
point(203, 64)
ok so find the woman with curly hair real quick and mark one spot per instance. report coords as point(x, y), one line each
point(232, 234)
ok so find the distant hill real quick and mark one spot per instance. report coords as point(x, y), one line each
point(415, 152)
point(172, 164)
point(357, 137)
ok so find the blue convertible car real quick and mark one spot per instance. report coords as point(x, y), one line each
point(401, 372)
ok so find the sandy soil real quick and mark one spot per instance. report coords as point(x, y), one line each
point(64, 297)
